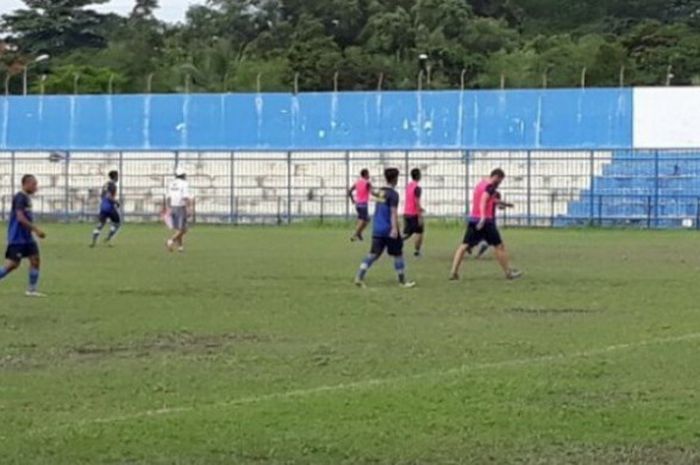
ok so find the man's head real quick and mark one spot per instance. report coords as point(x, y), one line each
point(497, 176)
point(392, 176)
point(364, 173)
point(29, 184)
point(114, 175)
point(415, 174)
point(180, 173)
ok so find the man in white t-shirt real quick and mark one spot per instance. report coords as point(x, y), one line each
point(180, 203)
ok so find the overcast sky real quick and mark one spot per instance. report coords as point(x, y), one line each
point(170, 10)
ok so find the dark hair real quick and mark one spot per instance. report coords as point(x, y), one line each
point(26, 178)
point(498, 173)
point(391, 175)
point(415, 174)
point(364, 173)
point(113, 174)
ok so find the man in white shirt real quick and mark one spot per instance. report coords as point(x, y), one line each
point(180, 203)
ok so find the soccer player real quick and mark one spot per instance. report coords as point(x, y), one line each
point(363, 189)
point(180, 202)
point(109, 210)
point(413, 212)
point(385, 234)
point(20, 236)
point(482, 226)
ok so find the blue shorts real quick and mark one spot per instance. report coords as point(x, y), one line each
point(16, 252)
point(394, 247)
point(111, 215)
point(362, 211)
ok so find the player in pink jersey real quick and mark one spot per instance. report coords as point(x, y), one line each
point(482, 225)
point(359, 195)
point(413, 212)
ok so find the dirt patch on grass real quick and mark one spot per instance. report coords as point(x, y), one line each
point(534, 311)
point(180, 342)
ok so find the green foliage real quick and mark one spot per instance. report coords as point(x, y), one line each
point(224, 45)
point(87, 79)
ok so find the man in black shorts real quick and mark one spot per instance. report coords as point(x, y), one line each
point(413, 212)
point(385, 234)
point(20, 236)
point(482, 226)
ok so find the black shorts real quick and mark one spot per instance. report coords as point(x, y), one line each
point(394, 247)
point(489, 234)
point(16, 252)
point(111, 215)
point(412, 225)
point(362, 212)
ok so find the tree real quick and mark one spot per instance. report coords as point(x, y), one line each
point(56, 26)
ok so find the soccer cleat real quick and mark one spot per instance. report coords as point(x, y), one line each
point(417, 254)
point(408, 285)
point(514, 274)
point(454, 277)
point(34, 294)
point(181, 249)
point(360, 283)
point(169, 244)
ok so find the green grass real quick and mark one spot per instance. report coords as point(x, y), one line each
point(254, 348)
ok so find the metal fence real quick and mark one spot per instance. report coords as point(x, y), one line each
point(563, 188)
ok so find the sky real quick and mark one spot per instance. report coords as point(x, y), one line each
point(170, 10)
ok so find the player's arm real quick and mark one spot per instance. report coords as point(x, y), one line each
point(112, 192)
point(394, 222)
point(24, 221)
point(351, 192)
point(419, 204)
point(484, 203)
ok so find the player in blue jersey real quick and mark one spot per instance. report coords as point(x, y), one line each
point(386, 235)
point(20, 236)
point(109, 210)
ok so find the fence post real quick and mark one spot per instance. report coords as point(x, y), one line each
point(591, 189)
point(657, 187)
point(551, 209)
point(467, 171)
point(347, 185)
point(649, 209)
point(600, 211)
point(66, 193)
point(697, 214)
point(121, 185)
point(529, 188)
point(406, 164)
point(13, 170)
point(232, 180)
point(289, 187)
point(322, 201)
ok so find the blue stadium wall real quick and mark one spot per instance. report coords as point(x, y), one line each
point(478, 120)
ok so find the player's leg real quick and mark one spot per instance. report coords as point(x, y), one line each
point(483, 248)
point(395, 249)
point(179, 225)
point(471, 238)
point(98, 229)
point(493, 237)
point(378, 245)
point(10, 264)
point(419, 233)
point(114, 227)
point(362, 222)
point(34, 269)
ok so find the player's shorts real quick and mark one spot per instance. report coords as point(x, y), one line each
point(362, 211)
point(412, 225)
point(179, 218)
point(394, 247)
point(489, 234)
point(16, 252)
point(111, 215)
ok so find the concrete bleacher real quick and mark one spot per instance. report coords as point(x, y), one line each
point(652, 188)
point(255, 185)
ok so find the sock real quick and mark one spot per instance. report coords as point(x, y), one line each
point(33, 279)
point(96, 233)
point(3, 272)
point(365, 266)
point(113, 230)
point(400, 267)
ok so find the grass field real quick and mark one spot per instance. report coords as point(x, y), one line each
point(254, 348)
